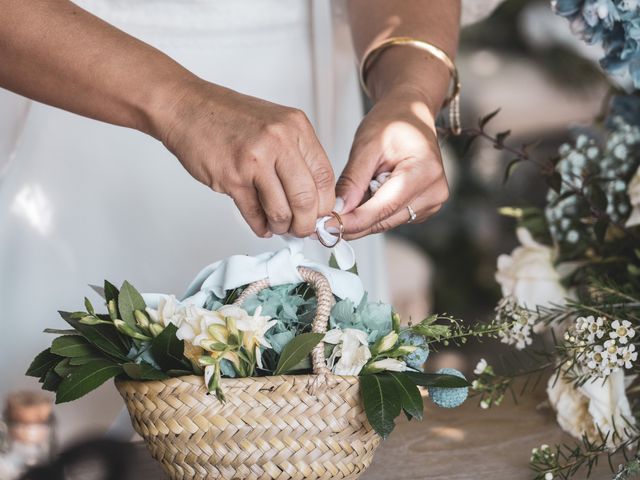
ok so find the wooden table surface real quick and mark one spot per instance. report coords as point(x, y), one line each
point(460, 444)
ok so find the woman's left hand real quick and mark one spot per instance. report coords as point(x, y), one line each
point(398, 135)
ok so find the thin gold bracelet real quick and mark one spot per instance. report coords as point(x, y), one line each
point(453, 101)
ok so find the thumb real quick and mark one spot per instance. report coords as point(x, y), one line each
point(354, 181)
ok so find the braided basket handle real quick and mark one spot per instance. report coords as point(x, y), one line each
point(325, 301)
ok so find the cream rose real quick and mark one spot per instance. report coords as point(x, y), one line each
point(594, 406)
point(633, 190)
point(529, 275)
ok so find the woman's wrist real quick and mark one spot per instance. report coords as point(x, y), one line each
point(407, 72)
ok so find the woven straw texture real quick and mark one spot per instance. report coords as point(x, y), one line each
point(288, 427)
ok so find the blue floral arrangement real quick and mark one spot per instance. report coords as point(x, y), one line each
point(615, 24)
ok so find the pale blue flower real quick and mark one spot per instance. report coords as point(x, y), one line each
point(421, 354)
point(449, 397)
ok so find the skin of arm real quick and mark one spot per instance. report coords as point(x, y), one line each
point(265, 156)
point(408, 87)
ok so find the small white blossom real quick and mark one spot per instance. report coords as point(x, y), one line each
point(621, 331)
point(548, 476)
point(628, 355)
point(481, 367)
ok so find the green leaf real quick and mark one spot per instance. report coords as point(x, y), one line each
point(63, 368)
point(61, 331)
point(88, 306)
point(168, 350)
point(410, 396)
point(110, 292)
point(431, 331)
point(381, 401)
point(129, 301)
point(71, 346)
point(598, 199)
point(104, 337)
point(511, 167)
point(86, 378)
point(487, 118)
point(82, 360)
point(436, 380)
point(51, 381)
point(296, 350)
point(142, 371)
point(42, 363)
point(99, 290)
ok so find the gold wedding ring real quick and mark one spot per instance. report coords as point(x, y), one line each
point(340, 232)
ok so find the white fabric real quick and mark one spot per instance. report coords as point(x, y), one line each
point(280, 267)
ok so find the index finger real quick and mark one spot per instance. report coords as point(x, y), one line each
point(393, 195)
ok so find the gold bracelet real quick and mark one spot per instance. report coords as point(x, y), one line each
point(454, 98)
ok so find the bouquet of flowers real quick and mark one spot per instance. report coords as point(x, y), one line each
point(575, 278)
point(153, 342)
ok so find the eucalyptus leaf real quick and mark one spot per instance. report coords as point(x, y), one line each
point(86, 378)
point(382, 403)
point(42, 363)
point(71, 346)
point(129, 300)
point(411, 398)
point(296, 350)
point(436, 380)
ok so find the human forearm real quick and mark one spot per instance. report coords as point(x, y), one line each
point(57, 53)
point(405, 69)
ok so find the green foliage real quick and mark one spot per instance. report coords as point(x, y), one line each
point(86, 378)
point(168, 350)
point(382, 402)
point(297, 350)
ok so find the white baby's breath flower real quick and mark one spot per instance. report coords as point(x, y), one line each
point(628, 355)
point(548, 476)
point(484, 404)
point(621, 331)
point(481, 367)
point(351, 352)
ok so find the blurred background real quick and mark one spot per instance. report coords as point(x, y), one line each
point(523, 60)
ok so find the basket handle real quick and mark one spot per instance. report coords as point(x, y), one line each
point(325, 301)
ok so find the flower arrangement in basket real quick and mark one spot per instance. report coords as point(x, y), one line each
point(275, 378)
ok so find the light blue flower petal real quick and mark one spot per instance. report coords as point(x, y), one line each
point(449, 397)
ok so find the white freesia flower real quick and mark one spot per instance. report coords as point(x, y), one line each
point(388, 364)
point(351, 351)
point(169, 311)
point(529, 274)
point(597, 405)
point(633, 190)
point(254, 326)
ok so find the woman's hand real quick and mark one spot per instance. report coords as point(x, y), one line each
point(398, 136)
point(265, 156)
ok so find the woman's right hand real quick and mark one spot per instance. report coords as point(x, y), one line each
point(265, 156)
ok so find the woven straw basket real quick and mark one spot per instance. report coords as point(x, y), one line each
point(291, 427)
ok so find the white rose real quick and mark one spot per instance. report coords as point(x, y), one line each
point(529, 275)
point(594, 406)
point(633, 190)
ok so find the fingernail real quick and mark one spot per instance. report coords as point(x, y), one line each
point(339, 205)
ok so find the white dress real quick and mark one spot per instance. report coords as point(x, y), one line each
point(81, 200)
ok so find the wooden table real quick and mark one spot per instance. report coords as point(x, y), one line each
point(460, 444)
